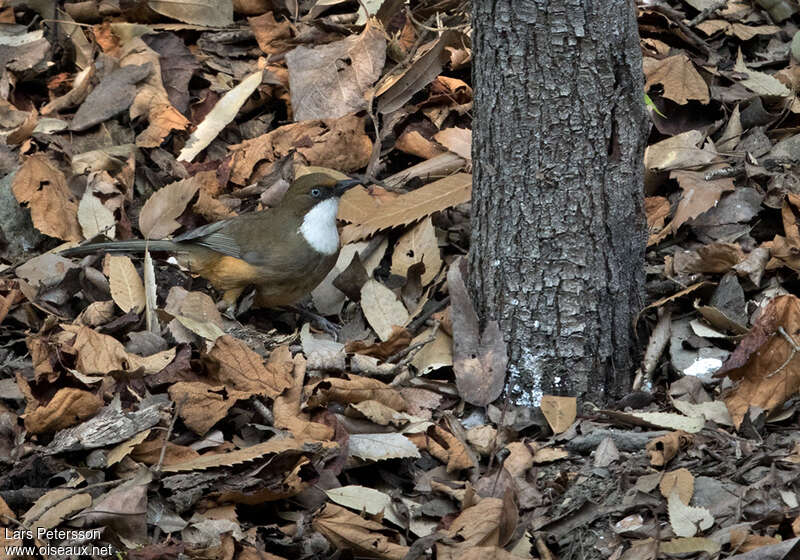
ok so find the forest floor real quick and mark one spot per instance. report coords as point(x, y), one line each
point(139, 421)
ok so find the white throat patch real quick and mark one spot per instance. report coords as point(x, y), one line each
point(319, 226)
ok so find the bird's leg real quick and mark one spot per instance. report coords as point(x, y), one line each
point(317, 320)
point(227, 305)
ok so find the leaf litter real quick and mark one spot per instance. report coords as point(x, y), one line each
point(130, 404)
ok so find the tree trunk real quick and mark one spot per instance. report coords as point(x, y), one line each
point(559, 230)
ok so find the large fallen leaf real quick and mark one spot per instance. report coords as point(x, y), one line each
point(353, 389)
point(419, 244)
point(479, 357)
point(381, 447)
point(699, 195)
point(678, 152)
point(686, 520)
point(396, 91)
point(681, 81)
point(158, 216)
point(335, 143)
point(43, 187)
point(239, 456)
point(68, 407)
point(242, 369)
point(382, 308)
point(94, 217)
point(209, 13)
point(127, 289)
point(489, 523)
point(223, 112)
point(111, 97)
point(330, 81)
point(369, 214)
point(349, 531)
point(765, 365)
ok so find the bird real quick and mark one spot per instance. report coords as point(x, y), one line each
point(284, 252)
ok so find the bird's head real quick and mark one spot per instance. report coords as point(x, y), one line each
point(307, 191)
point(313, 199)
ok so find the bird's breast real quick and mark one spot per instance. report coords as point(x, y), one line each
point(319, 227)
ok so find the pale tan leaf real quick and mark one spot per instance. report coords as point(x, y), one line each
point(457, 140)
point(251, 453)
point(54, 507)
point(323, 86)
point(208, 13)
point(223, 112)
point(157, 218)
point(381, 447)
point(127, 289)
point(151, 318)
point(94, 217)
point(43, 187)
point(560, 412)
point(685, 520)
point(681, 81)
point(382, 308)
point(369, 214)
point(418, 245)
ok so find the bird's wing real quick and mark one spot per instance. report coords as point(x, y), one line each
point(228, 237)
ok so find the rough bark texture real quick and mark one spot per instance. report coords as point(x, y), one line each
point(558, 214)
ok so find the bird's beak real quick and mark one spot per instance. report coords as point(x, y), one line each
point(344, 185)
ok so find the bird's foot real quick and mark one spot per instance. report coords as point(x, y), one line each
point(318, 321)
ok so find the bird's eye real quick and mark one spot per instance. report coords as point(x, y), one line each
point(316, 193)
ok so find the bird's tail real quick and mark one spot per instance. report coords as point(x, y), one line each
point(133, 246)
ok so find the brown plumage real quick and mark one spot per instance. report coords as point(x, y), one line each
point(284, 252)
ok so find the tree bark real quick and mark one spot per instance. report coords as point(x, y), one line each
point(559, 231)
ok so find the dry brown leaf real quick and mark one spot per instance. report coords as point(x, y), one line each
point(560, 412)
point(680, 480)
point(457, 140)
point(399, 339)
point(489, 523)
point(208, 13)
point(479, 357)
point(418, 245)
point(203, 405)
point(97, 313)
point(223, 113)
point(685, 520)
point(681, 81)
point(43, 187)
point(335, 143)
point(272, 37)
point(68, 407)
point(94, 217)
point(163, 120)
point(396, 91)
point(414, 143)
point(761, 365)
point(273, 446)
point(662, 449)
point(127, 288)
point(331, 80)
point(287, 409)
point(382, 308)
point(678, 152)
point(97, 353)
point(349, 531)
point(353, 389)
point(242, 369)
point(158, 215)
point(149, 452)
point(699, 195)
point(368, 214)
point(54, 507)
